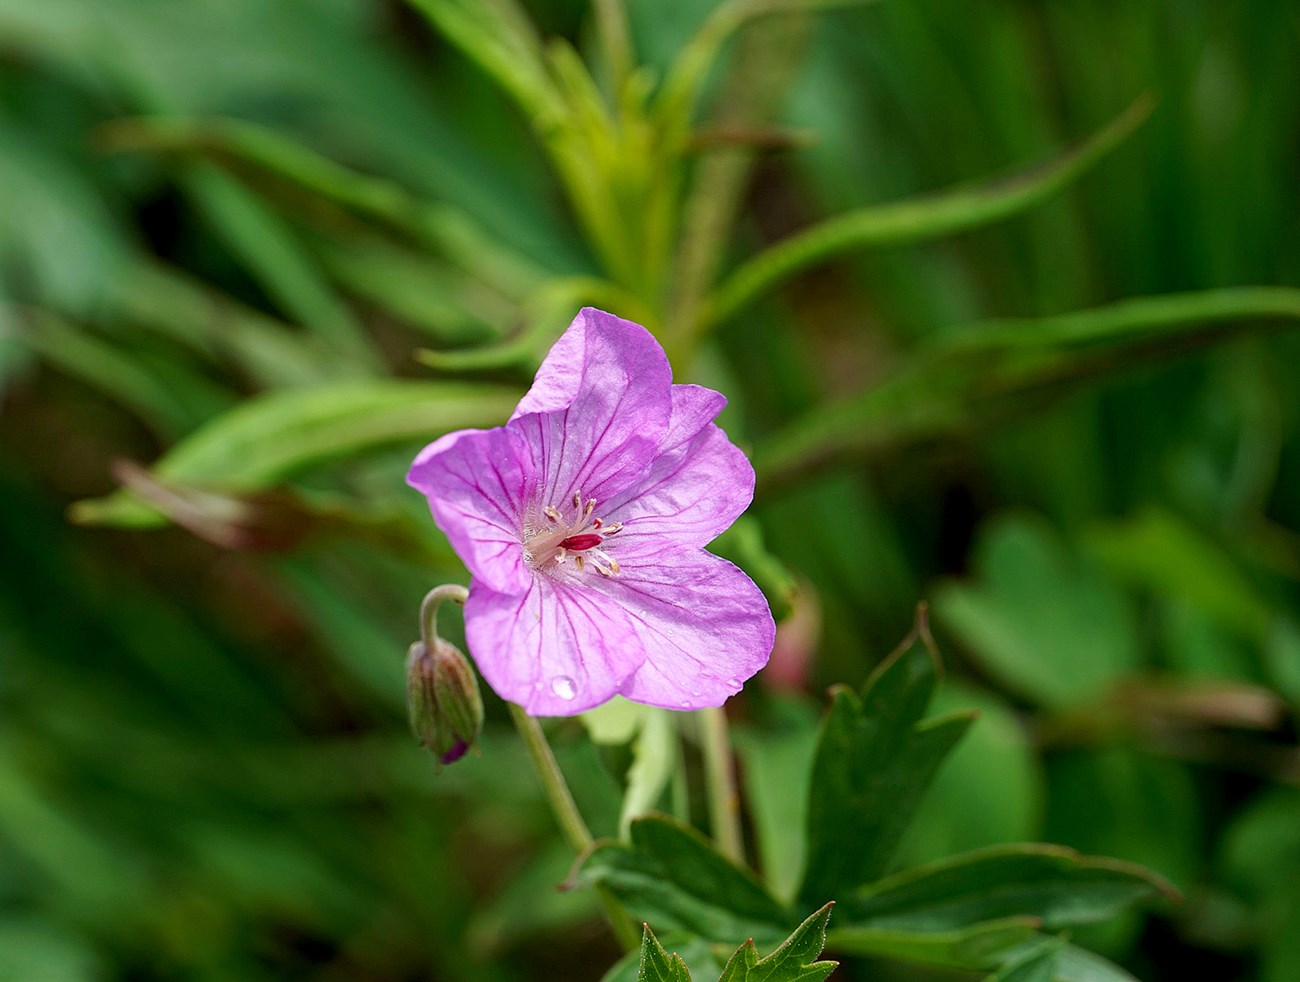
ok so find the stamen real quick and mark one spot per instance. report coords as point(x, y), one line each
point(565, 533)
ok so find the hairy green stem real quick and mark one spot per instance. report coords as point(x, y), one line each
point(569, 818)
point(720, 778)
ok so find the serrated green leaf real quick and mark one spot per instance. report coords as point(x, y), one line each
point(916, 221)
point(794, 961)
point(656, 964)
point(269, 438)
point(981, 946)
point(874, 761)
point(700, 958)
point(1054, 884)
point(672, 876)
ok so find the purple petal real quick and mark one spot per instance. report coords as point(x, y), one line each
point(556, 649)
point(599, 409)
point(703, 623)
point(593, 338)
point(696, 488)
point(477, 482)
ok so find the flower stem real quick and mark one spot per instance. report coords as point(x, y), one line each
point(720, 778)
point(430, 604)
point(566, 813)
point(548, 771)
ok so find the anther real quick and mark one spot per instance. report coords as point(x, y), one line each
point(553, 514)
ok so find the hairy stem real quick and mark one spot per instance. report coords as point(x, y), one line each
point(569, 818)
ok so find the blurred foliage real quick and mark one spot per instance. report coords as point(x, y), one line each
point(224, 225)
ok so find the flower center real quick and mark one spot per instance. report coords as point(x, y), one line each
point(557, 535)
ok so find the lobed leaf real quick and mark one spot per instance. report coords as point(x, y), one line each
point(1056, 885)
point(656, 964)
point(672, 876)
point(1039, 619)
point(874, 761)
point(794, 961)
point(980, 946)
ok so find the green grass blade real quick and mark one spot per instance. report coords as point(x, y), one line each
point(270, 438)
point(979, 373)
point(917, 220)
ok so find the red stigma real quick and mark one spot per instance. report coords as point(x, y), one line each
point(579, 543)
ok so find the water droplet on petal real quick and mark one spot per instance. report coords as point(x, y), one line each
point(563, 687)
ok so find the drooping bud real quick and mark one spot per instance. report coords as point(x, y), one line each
point(442, 699)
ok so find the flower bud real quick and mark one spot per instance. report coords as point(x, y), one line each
point(442, 699)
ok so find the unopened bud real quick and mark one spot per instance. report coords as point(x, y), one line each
point(442, 699)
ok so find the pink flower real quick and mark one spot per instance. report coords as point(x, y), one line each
point(583, 523)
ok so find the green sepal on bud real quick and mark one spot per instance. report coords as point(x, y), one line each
point(442, 699)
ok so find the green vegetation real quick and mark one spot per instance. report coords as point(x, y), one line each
point(1004, 297)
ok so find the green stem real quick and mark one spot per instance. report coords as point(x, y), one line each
point(570, 820)
point(548, 771)
point(430, 604)
point(720, 777)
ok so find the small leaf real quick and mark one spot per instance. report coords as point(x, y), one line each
point(1052, 883)
point(271, 437)
point(701, 959)
point(1037, 966)
point(656, 964)
point(1038, 618)
point(874, 761)
point(1075, 964)
point(654, 761)
point(672, 876)
point(794, 961)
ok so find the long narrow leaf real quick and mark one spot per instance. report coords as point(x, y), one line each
point(270, 438)
point(973, 376)
point(917, 220)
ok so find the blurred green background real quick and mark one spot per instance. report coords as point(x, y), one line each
point(205, 771)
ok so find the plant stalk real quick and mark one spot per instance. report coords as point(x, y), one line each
point(720, 779)
point(569, 818)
